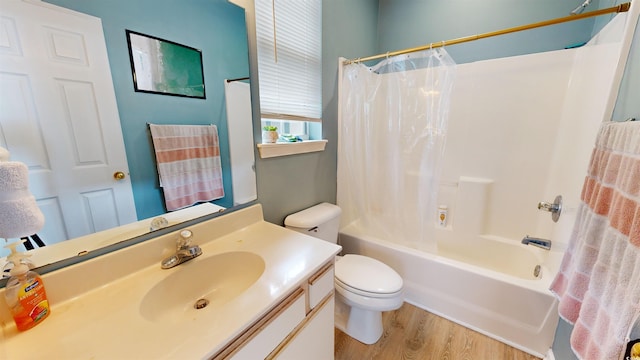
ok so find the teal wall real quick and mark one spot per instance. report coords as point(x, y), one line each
point(627, 104)
point(410, 23)
point(214, 26)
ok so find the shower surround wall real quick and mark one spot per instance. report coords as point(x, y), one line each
point(503, 121)
point(504, 115)
point(500, 146)
point(525, 126)
point(521, 130)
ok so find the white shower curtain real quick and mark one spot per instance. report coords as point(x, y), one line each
point(393, 123)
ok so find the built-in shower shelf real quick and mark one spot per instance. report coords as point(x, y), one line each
point(283, 149)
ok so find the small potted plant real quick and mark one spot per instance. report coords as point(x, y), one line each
point(269, 134)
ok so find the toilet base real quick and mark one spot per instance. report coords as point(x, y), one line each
point(360, 324)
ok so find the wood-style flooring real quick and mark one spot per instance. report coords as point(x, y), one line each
point(412, 333)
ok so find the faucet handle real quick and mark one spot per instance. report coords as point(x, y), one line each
point(158, 223)
point(185, 239)
point(554, 208)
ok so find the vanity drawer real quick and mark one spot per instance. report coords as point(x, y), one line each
point(271, 331)
point(320, 285)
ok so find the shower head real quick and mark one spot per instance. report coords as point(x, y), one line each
point(581, 7)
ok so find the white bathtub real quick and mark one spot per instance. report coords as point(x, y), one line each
point(486, 284)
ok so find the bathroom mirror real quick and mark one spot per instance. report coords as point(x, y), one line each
point(217, 27)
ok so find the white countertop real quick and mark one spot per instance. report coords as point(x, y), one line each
point(102, 319)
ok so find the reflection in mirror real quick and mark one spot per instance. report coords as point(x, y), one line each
point(82, 245)
point(238, 100)
point(85, 140)
point(164, 67)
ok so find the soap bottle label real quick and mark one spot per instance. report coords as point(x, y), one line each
point(442, 215)
point(32, 306)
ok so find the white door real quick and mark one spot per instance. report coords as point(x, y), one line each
point(58, 115)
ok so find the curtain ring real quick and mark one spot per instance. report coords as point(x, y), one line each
point(387, 55)
point(430, 46)
point(442, 44)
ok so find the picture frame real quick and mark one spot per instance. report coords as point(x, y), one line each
point(165, 67)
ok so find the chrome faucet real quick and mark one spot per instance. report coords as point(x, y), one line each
point(184, 251)
point(541, 243)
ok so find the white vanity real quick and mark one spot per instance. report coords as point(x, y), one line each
point(264, 292)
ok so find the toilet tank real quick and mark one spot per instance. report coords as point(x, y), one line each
point(321, 221)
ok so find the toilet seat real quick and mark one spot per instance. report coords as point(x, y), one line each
point(351, 289)
point(367, 276)
point(368, 301)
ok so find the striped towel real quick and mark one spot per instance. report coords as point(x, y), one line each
point(188, 159)
point(598, 284)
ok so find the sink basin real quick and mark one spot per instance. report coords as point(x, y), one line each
point(201, 285)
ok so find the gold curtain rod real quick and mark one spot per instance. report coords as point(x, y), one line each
point(615, 9)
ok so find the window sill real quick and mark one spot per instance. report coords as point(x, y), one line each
point(284, 149)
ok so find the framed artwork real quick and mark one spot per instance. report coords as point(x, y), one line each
point(164, 67)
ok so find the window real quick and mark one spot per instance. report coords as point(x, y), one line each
point(296, 128)
point(289, 38)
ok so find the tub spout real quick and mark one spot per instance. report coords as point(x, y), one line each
point(541, 243)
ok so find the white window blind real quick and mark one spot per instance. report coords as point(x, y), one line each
point(289, 36)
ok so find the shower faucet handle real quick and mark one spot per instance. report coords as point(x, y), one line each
point(554, 208)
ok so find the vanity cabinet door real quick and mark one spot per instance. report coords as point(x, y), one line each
point(313, 341)
point(281, 322)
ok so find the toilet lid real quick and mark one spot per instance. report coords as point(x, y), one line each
point(367, 274)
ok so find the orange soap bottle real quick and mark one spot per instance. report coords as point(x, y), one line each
point(25, 293)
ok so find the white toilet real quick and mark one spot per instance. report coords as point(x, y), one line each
point(365, 287)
